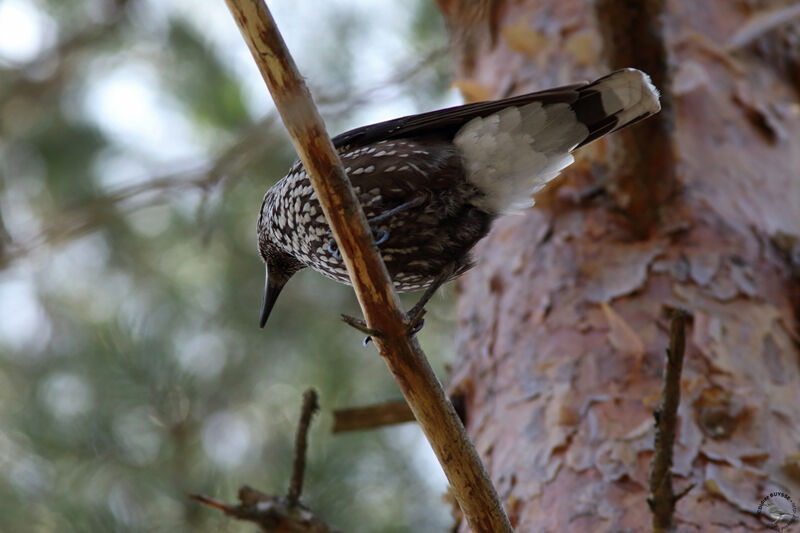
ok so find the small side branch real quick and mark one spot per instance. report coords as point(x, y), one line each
point(371, 416)
point(271, 513)
point(275, 513)
point(310, 406)
point(662, 496)
point(384, 414)
point(642, 156)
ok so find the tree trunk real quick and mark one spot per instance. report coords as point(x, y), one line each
point(563, 323)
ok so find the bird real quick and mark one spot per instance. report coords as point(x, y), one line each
point(432, 184)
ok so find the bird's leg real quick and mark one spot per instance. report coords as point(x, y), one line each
point(414, 317)
point(415, 314)
point(381, 235)
point(414, 321)
point(399, 209)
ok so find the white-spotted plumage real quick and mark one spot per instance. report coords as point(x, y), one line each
point(431, 184)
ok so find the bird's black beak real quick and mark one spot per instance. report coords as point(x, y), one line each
point(272, 288)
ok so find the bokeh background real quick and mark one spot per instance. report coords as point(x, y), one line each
point(136, 142)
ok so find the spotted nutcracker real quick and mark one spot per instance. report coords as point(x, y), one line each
point(431, 184)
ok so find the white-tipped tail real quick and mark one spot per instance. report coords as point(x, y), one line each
point(629, 95)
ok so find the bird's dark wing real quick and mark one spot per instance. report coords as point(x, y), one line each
point(604, 105)
point(389, 173)
point(444, 123)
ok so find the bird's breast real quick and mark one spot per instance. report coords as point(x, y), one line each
point(416, 243)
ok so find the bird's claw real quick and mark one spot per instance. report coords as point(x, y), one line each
point(333, 249)
point(416, 327)
point(380, 236)
point(414, 323)
point(414, 320)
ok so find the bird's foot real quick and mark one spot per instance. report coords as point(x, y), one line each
point(380, 236)
point(414, 316)
point(414, 320)
point(414, 323)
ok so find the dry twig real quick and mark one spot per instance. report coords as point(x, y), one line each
point(275, 514)
point(371, 416)
point(310, 406)
point(375, 292)
point(662, 496)
point(384, 414)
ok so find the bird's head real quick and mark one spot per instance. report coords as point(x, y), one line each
point(280, 265)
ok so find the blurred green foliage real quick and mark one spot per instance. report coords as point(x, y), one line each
point(132, 370)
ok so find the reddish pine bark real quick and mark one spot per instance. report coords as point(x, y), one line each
point(563, 323)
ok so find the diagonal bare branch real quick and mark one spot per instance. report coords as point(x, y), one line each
point(379, 302)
